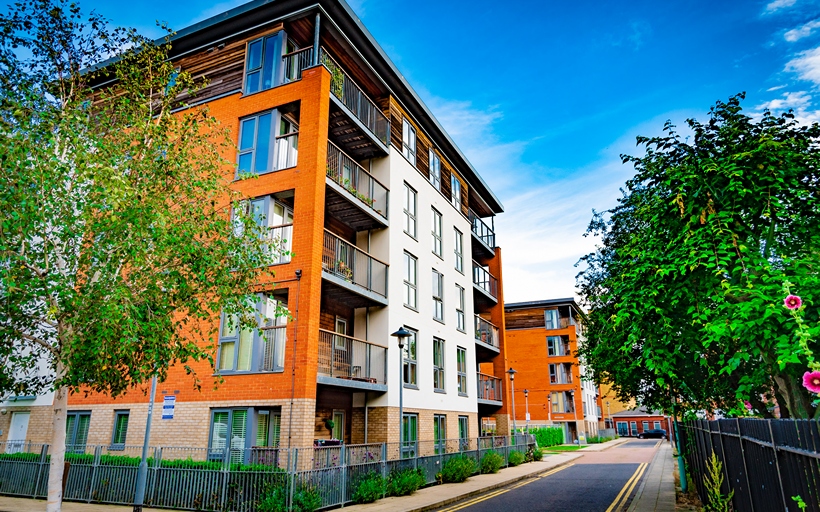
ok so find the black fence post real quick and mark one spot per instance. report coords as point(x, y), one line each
point(777, 465)
point(745, 467)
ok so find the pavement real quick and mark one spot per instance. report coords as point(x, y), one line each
point(8, 504)
point(657, 490)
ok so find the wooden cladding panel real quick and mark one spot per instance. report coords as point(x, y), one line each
point(524, 319)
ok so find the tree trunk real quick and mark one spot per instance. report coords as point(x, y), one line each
point(55, 473)
point(796, 399)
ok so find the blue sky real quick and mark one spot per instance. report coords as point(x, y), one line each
point(543, 97)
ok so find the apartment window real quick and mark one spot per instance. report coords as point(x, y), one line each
point(268, 428)
point(558, 346)
point(410, 210)
point(551, 319)
point(633, 426)
point(460, 319)
point(410, 435)
point(267, 142)
point(76, 431)
point(459, 250)
point(439, 433)
point(408, 141)
point(274, 220)
point(455, 191)
point(461, 367)
point(438, 296)
point(623, 430)
point(645, 425)
point(410, 354)
point(562, 402)
point(338, 425)
point(656, 425)
point(410, 280)
point(561, 373)
point(228, 424)
point(438, 364)
point(435, 170)
point(244, 349)
point(437, 244)
point(464, 432)
point(120, 431)
point(262, 63)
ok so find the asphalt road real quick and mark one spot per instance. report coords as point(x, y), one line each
point(597, 482)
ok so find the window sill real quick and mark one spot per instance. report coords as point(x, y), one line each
point(232, 373)
point(461, 330)
point(237, 178)
point(439, 256)
point(441, 321)
point(440, 391)
point(411, 308)
point(411, 236)
point(411, 386)
point(462, 394)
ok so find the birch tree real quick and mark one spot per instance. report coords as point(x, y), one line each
point(118, 246)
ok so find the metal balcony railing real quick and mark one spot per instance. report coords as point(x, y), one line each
point(489, 387)
point(561, 375)
point(294, 62)
point(352, 97)
point(481, 230)
point(281, 242)
point(273, 357)
point(346, 261)
point(486, 332)
point(484, 280)
point(355, 179)
point(345, 357)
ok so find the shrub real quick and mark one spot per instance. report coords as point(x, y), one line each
point(404, 482)
point(548, 436)
point(458, 469)
point(598, 439)
point(368, 488)
point(491, 462)
point(275, 499)
point(306, 499)
point(536, 453)
point(515, 458)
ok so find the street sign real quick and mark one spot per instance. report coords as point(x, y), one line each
point(168, 403)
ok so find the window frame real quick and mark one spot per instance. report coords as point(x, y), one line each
point(411, 281)
point(440, 433)
point(439, 359)
point(461, 370)
point(437, 232)
point(461, 317)
point(258, 344)
point(410, 217)
point(435, 169)
point(438, 300)
point(228, 452)
point(464, 432)
point(74, 446)
point(458, 250)
point(410, 364)
point(455, 191)
point(409, 447)
point(548, 321)
point(117, 416)
point(408, 137)
point(277, 69)
point(273, 151)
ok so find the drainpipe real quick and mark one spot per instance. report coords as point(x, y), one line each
point(316, 41)
point(293, 368)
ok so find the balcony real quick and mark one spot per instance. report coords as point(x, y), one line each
point(281, 243)
point(486, 338)
point(354, 196)
point(483, 236)
point(294, 62)
point(489, 390)
point(485, 283)
point(349, 362)
point(368, 131)
point(352, 276)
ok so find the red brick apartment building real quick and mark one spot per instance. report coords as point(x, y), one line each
point(389, 225)
point(541, 346)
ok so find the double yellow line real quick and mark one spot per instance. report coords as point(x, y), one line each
point(502, 491)
point(620, 499)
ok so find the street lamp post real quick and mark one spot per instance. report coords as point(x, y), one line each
point(400, 335)
point(512, 373)
point(608, 413)
point(527, 408)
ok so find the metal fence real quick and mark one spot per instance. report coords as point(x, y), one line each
point(765, 462)
point(212, 479)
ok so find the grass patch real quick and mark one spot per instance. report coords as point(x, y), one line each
point(564, 448)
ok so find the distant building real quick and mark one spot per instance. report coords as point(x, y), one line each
point(541, 345)
point(636, 421)
point(610, 405)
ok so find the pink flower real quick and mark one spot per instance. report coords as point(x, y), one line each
point(811, 381)
point(793, 302)
point(747, 404)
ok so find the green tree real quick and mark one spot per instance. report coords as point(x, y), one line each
point(686, 289)
point(118, 246)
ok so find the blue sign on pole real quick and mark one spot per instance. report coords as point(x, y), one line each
point(168, 403)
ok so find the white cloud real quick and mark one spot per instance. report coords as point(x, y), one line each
point(799, 102)
point(798, 33)
point(776, 5)
point(806, 65)
point(775, 88)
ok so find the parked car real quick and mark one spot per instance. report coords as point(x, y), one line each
point(657, 433)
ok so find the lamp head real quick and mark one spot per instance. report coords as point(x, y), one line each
point(512, 373)
point(526, 393)
point(400, 335)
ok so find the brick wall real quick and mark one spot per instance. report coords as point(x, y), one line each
point(39, 422)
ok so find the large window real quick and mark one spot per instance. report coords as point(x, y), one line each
point(268, 428)
point(460, 319)
point(410, 210)
point(262, 63)
point(455, 191)
point(76, 431)
point(120, 431)
point(464, 432)
point(435, 170)
point(657, 425)
point(437, 244)
point(438, 296)
point(439, 433)
point(438, 364)
point(461, 362)
point(339, 425)
point(410, 355)
point(267, 142)
point(562, 402)
point(275, 223)
point(244, 349)
point(408, 141)
point(229, 434)
point(410, 435)
point(410, 281)
point(561, 373)
point(551, 319)
point(459, 250)
point(558, 346)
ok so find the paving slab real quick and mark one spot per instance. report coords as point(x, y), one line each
point(8, 504)
point(657, 490)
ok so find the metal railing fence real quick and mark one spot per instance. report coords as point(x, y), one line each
point(765, 462)
point(486, 332)
point(355, 179)
point(346, 357)
point(346, 261)
point(481, 229)
point(207, 479)
point(484, 280)
point(294, 62)
point(489, 387)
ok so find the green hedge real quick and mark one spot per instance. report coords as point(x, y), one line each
point(457, 469)
point(548, 436)
point(87, 459)
point(491, 462)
